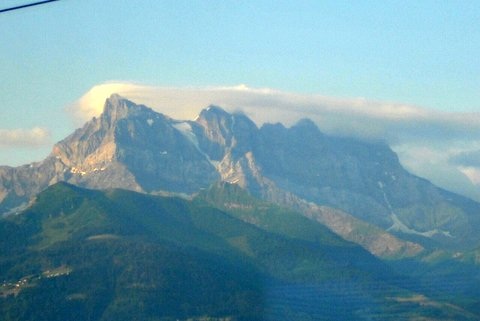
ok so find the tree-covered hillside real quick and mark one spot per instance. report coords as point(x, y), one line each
point(80, 254)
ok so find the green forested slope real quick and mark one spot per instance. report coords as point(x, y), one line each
point(79, 254)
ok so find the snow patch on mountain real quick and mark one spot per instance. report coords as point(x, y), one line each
point(186, 130)
point(399, 226)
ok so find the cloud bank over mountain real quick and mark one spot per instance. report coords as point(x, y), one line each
point(34, 137)
point(430, 143)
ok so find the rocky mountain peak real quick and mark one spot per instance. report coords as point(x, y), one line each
point(306, 125)
point(217, 124)
point(214, 111)
point(131, 146)
point(116, 108)
point(225, 129)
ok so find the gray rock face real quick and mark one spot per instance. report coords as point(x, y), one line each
point(133, 147)
point(297, 165)
point(291, 166)
point(128, 146)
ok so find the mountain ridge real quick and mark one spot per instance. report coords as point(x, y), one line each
point(131, 146)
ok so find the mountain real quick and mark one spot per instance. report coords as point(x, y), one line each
point(356, 188)
point(128, 146)
point(81, 254)
point(87, 255)
point(236, 201)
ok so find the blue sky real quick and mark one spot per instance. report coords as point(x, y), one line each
point(416, 53)
point(419, 52)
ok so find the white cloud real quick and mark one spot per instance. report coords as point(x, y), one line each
point(473, 173)
point(34, 137)
point(434, 162)
point(425, 139)
point(354, 116)
point(91, 104)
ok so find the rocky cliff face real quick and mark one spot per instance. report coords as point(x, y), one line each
point(298, 165)
point(128, 146)
point(133, 147)
point(365, 179)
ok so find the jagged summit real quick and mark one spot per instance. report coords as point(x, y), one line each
point(114, 99)
point(215, 110)
point(134, 147)
point(217, 114)
point(117, 107)
point(306, 124)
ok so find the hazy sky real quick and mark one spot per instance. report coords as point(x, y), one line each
point(395, 56)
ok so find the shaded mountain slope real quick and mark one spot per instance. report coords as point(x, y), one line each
point(120, 255)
